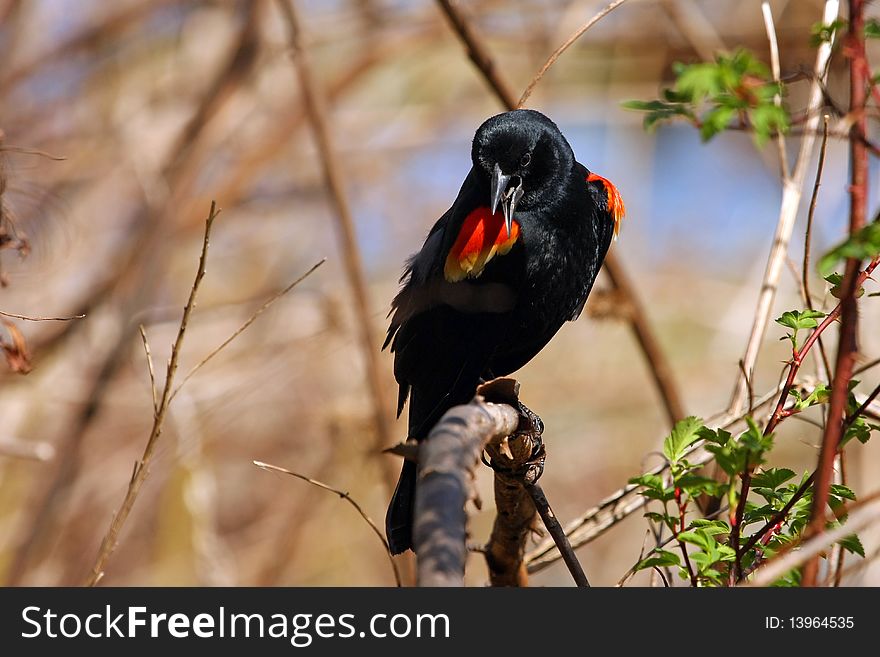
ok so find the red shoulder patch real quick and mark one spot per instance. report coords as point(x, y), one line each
point(615, 201)
point(482, 236)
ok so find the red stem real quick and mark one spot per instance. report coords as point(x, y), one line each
point(847, 344)
point(684, 553)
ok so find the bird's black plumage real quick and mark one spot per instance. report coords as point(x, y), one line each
point(478, 301)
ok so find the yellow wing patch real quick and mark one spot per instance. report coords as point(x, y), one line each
point(483, 235)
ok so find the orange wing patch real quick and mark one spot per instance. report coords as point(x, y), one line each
point(482, 236)
point(615, 201)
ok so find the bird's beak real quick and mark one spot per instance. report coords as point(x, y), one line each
point(507, 198)
point(499, 188)
point(515, 195)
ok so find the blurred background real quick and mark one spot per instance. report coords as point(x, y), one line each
point(122, 121)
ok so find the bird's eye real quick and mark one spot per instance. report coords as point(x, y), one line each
point(525, 160)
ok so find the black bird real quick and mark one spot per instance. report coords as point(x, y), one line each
point(490, 288)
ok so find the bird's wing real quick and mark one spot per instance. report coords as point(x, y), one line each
point(610, 211)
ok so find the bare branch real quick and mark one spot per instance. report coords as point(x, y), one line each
point(348, 498)
point(777, 74)
point(28, 318)
point(142, 467)
point(805, 271)
point(558, 535)
point(313, 100)
point(152, 372)
point(477, 51)
point(447, 461)
point(847, 346)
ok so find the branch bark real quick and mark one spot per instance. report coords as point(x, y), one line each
point(315, 106)
point(848, 341)
point(447, 462)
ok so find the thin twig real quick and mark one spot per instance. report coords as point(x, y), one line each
point(748, 378)
point(27, 318)
point(808, 234)
point(738, 519)
point(142, 467)
point(820, 168)
point(866, 366)
point(780, 515)
point(558, 534)
point(348, 498)
point(241, 329)
point(861, 409)
point(791, 196)
point(152, 372)
point(675, 534)
point(314, 103)
point(561, 49)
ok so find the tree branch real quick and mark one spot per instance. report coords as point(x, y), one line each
point(447, 461)
point(316, 111)
point(847, 345)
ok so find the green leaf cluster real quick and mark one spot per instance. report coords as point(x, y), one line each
point(712, 95)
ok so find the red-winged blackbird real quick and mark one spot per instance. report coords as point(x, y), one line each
point(489, 289)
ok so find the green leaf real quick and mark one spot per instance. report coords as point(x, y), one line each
point(696, 485)
point(864, 245)
point(872, 31)
point(660, 559)
point(836, 290)
point(684, 433)
point(661, 518)
point(767, 119)
point(772, 478)
point(852, 544)
point(800, 319)
point(648, 480)
point(713, 527)
point(821, 394)
point(842, 492)
point(717, 436)
point(716, 121)
point(699, 537)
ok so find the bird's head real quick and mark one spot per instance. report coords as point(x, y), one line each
point(522, 158)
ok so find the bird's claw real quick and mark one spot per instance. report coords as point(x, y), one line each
point(529, 471)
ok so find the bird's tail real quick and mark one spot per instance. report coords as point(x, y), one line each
point(399, 519)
